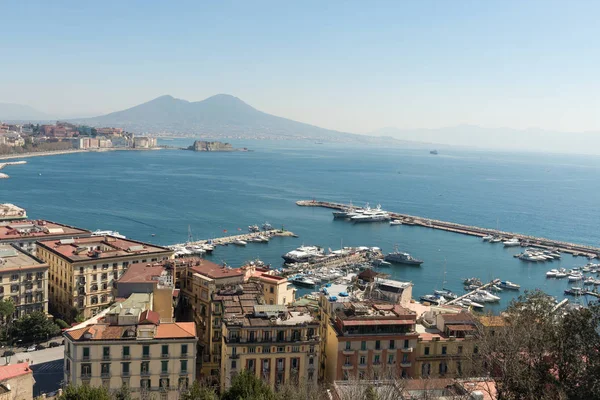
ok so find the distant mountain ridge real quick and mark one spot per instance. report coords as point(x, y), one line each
point(18, 112)
point(218, 116)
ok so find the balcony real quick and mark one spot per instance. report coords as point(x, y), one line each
point(125, 373)
point(234, 356)
point(406, 349)
point(405, 364)
point(145, 373)
point(348, 352)
point(106, 357)
point(146, 356)
point(85, 358)
point(105, 374)
point(347, 366)
point(164, 355)
point(126, 356)
point(86, 375)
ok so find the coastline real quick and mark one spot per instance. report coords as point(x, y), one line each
point(59, 152)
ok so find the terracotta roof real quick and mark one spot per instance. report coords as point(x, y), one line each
point(150, 316)
point(14, 370)
point(373, 322)
point(462, 317)
point(460, 327)
point(39, 229)
point(212, 270)
point(176, 330)
point(169, 330)
point(142, 272)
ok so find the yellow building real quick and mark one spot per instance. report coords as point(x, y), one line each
point(447, 349)
point(24, 279)
point(276, 289)
point(198, 280)
point(83, 270)
point(129, 345)
point(277, 343)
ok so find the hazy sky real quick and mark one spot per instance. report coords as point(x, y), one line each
point(352, 66)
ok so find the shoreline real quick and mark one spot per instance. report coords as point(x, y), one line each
point(59, 152)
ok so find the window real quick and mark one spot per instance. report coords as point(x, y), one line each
point(14, 288)
point(311, 361)
point(251, 349)
point(459, 349)
point(444, 349)
point(280, 349)
point(14, 277)
point(392, 344)
point(106, 353)
point(378, 345)
point(295, 349)
point(145, 383)
point(406, 343)
point(443, 368)
point(125, 369)
point(164, 383)
point(184, 350)
point(183, 366)
point(475, 350)
point(126, 353)
point(267, 336)
point(348, 346)
point(404, 358)
point(251, 365)
point(426, 350)
point(105, 369)
point(391, 359)
point(266, 349)
point(348, 361)
point(164, 367)
point(310, 375)
point(363, 345)
point(86, 353)
point(145, 368)
point(86, 370)
point(233, 364)
point(376, 359)
point(183, 383)
point(164, 350)
point(363, 360)
point(459, 367)
point(272, 290)
point(146, 351)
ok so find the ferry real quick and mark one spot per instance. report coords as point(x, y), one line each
point(100, 232)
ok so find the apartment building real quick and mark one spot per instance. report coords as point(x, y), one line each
point(26, 233)
point(367, 340)
point(199, 280)
point(277, 289)
point(16, 382)
point(83, 270)
point(24, 279)
point(277, 343)
point(447, 349)
point(129, 345)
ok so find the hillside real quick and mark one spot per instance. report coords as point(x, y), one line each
point(218, 116)
point(20, 112)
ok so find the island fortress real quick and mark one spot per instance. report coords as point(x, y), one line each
point(201, 145)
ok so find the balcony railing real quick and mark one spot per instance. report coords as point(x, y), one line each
point(86, 375)
point(105, 374)
point(164, 355)
point(145, 373)
point(406, 349)
point(126, 356)
point(125, 373)
point(85, 358)
point(106, 357)
point(405, 364)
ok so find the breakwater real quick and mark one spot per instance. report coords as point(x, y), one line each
point(526, 240)
point(227, 240)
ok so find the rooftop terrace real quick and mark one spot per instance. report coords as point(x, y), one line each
point(38, 229)
point(12, 258)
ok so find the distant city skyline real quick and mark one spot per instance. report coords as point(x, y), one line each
point(340, 66)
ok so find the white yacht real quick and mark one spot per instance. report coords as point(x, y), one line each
point(489, 297)
point(396, 222)
point(552, 273)
point(574, 277)
point(562, 273)
point(240, 242)
point(511, 242)
point(487, 238)
point(471, 303)
point(376, 215)
point(303, 254)
point(100, 232)
point(509, 285)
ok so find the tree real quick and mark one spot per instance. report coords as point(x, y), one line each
point(84, 392)
point(198, 392)
point(7, 308)
point(122, 394)
point(370, 393)
point(246, 386)
point(305, 390)
point(34, 327)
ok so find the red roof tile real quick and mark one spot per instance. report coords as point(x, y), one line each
point(14, 370)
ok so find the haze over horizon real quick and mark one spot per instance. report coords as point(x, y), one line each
point(340, 66)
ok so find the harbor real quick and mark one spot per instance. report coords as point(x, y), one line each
point(523, 240)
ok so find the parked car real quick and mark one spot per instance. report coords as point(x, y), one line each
point(40, 347)
point(31, 348)
point(8, 353)
point(53, 344)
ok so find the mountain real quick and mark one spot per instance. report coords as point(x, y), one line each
point(535, 140)
point(217, 116)
point(20, 112)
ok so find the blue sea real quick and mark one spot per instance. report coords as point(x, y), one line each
point(155, 196)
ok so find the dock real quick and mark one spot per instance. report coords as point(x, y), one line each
point(227, 240)
point(526, 240)
point(495, 281)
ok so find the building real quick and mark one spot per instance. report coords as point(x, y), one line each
point(446, 348)
point(277, 289)
point(277, 343)
point(366, 340)
point(144, 142)
point(24, 279)
point(82, 271)
point(389, 290)
point(10, 212)
point(129, 345)
point(16, 382)
point(199, 281)
point(26, 233)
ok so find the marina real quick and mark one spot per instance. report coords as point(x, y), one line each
point(509, 239)
point(240, 240)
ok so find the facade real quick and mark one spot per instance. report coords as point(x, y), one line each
point(129, 346)
point(24, 279)
point(277, 289)
point(199, 280)
point(366, 340)
point(83, 271)
point(144, 142)
point(446, 350)
point(26, 233)
point(16, 382)
point(277, 343)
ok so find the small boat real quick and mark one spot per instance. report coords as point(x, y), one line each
point(511, 242)
point(381, 263)
point(509, 285)
point(100, 232)
point(433, 299)
point(470, 288)
point(575, 291)
point(240, 242)
point(496, 240)
point(434, 152)
point(304, 281)
point(446, 294)
point(589, 281)
point(253, 228)
point(495, 288)
point(267, 226)
point(575, 277)
point(396, 222)
point(487, 238)
point(472, 281)
point(471, 303)
point(489, 297)
point(552, 273)
point(562, 273)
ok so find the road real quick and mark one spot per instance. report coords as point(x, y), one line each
point(40, 356)
point(47, 367)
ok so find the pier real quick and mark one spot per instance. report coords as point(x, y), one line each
point(529, 241)
point(487, 285)
point(6, 164)
point(227, 240)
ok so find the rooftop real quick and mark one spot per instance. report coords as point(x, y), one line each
point(208, 268)
point(39, 229)
point(143, 272)
point(12, 258)
point(13, 370)
point(104, 331)
point(10, 211)
point(100, 247)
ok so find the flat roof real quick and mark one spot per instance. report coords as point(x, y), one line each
point(143, 272)
point(37, 229)
point(10, 211)
point(208, 268)
point(100, 248)
point(12, 258)
point(104, 331)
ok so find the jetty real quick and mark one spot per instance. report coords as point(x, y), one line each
point(495, 281)
point(227, 240)
point(526, 240)
point(6, 164)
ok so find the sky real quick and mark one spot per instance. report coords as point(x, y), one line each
point(353, 66)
